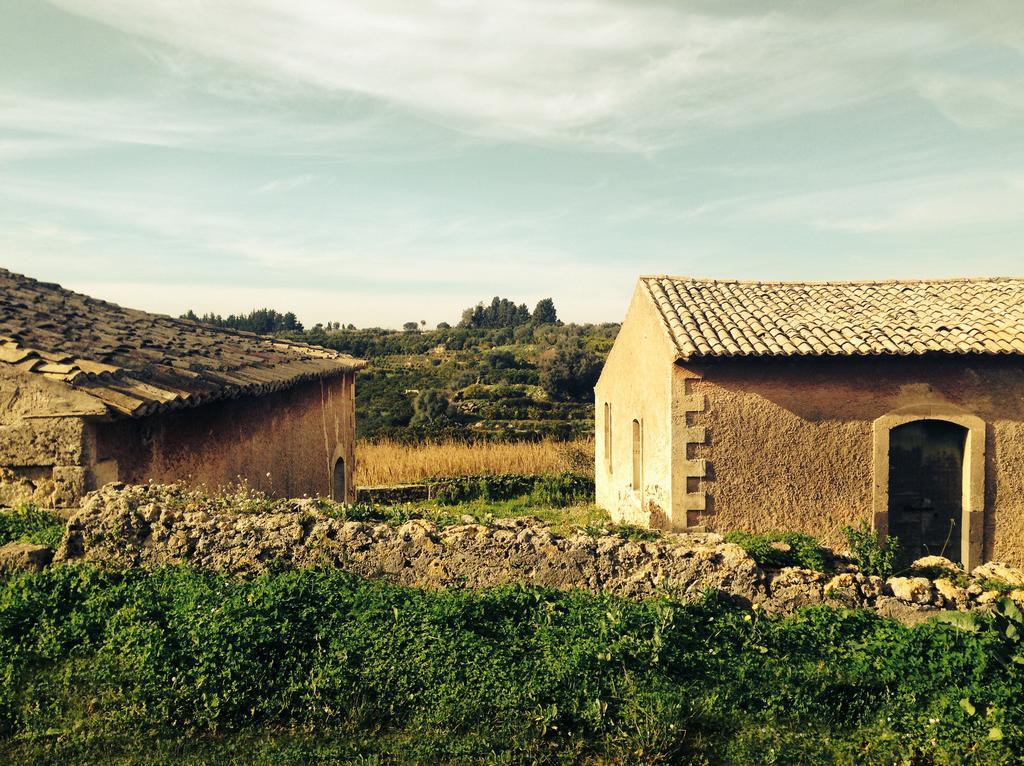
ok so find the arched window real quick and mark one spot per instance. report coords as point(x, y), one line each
point(338, 481)
point(638, 465)
point(608, 436)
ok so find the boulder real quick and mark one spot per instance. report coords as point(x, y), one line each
point(936, 562)
point(1003, 573)
point(912, 590)
point(988, 597)
point(950, 594)
point(792, 587)
point(24, 557)
point(844, 590)
point(907, 613)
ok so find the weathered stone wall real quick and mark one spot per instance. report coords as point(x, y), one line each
point(284, 444)
point(153, 525)
point(788, 442)
point(42, 445)
point(149, 526)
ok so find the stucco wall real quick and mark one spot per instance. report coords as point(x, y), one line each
point(284, 444)
point(788, 442)
point(637, 380)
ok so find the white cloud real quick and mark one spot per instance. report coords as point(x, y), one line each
point(627, 74)
point(935, 203)
point(977, 103)
point(50, 125)
point(285, 184)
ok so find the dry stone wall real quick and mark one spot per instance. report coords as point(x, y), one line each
point(150, 526)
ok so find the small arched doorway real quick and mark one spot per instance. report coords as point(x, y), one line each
point(951, 431)
point(338, 481)
point(926, 487)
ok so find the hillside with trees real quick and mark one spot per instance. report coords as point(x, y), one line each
point(502, 372)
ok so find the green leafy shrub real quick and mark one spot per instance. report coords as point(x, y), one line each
point(326, 667)
point(561, 490)
point(1005, 625)
point(28, 524)
point(870, 556)
point(782, 549)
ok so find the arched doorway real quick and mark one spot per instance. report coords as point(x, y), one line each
point(338, 481)
point(930, 448)
point(926, 487)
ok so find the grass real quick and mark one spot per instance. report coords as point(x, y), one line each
point(562, 520)
point(781, 549)
point(382, 463)
point(28, 524)
point(318, 666)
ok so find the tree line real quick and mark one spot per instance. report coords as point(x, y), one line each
point(499, 313)
point(262, 321)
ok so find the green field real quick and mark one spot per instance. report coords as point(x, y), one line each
point(177, 666)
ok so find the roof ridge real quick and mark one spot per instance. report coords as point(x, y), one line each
point(919, 281)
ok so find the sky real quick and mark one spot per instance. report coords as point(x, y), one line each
point(384, 161)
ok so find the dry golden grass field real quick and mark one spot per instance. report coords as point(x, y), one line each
point(380, 463)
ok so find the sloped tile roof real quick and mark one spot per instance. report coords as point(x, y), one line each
point(137, 363)
point(730, 318)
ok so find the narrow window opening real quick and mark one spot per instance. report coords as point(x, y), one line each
point(637, 455)
point(608, 436)
point(338, 481)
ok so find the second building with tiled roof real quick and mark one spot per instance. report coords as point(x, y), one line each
point(811, 406)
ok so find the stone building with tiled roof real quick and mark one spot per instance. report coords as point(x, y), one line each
point(810, 406)
point(91, 392)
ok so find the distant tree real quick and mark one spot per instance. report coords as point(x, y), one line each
point(429, 406)
point(501, 360)
point(501, 312)
point(570, 372)
point(410, 326)
point(545, 313)
point(443, 326)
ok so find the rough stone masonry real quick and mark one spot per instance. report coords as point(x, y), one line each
point(151, 525)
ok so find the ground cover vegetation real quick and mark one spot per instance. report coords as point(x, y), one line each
point(28, 524)
point(502, 372)
point(545, 490)
point(317, 666)
point(778, 549)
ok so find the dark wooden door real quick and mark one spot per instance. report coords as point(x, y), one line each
point(926, 467)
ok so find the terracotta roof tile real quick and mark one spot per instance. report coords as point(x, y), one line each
point(708, 317)
point(139, 363)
